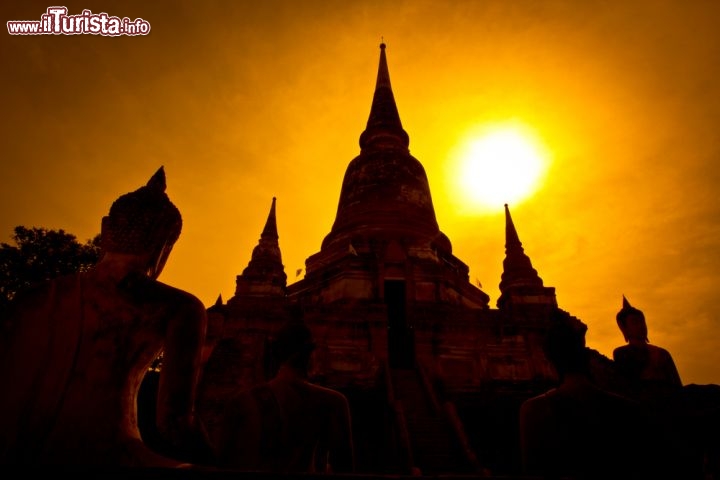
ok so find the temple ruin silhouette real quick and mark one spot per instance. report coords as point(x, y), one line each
point(433, 372)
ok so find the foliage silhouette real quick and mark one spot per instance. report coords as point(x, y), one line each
point(40, 254)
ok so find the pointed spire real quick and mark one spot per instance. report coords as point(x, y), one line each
point(626, 304)
point(512, 241)
point(157, 181)
point(384, 124)
point(517, 267)
point(265, 273)
point(626, 307)
point(270, 230)
point(268, 247)
point(217, 306)
point(383, 76)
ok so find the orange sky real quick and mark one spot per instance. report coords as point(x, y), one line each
point(242, 101)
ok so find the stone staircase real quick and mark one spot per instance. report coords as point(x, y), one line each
point(434, 447)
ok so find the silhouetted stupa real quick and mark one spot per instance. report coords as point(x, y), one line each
point(399, 327)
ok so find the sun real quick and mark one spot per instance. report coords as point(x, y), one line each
point(494, 165)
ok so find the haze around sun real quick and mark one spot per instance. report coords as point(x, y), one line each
point(495, 164)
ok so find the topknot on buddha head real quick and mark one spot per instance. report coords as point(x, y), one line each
point(142, 221)
point(626, 311)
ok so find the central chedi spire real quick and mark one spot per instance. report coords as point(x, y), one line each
point(384, 126)
point(385, 190)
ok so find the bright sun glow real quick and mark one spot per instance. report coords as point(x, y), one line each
point(497, 165)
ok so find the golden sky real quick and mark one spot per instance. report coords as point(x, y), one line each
point(243, 101)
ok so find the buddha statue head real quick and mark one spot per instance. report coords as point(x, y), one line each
point(144, 223)
point(632, 323)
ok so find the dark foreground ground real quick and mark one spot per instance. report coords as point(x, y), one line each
point(213, 474)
